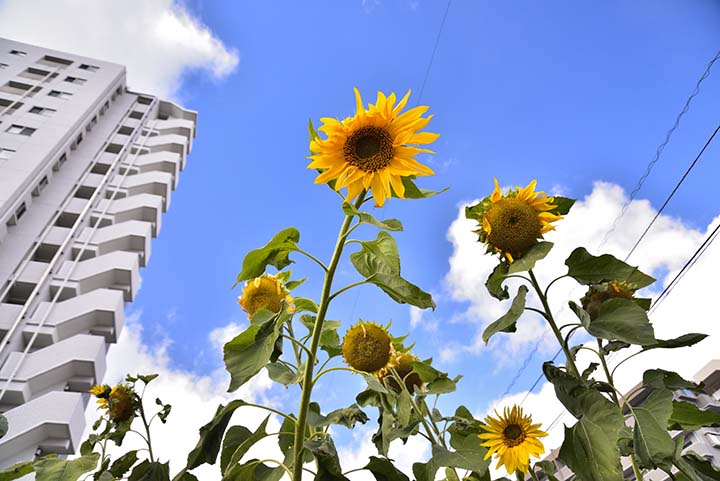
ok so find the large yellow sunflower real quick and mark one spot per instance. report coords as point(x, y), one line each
point(374, 149)
point(513, 222)
point(513, 438)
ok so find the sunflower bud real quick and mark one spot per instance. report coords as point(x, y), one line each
point(596, 295)
point(264, 292)
point(367, 347)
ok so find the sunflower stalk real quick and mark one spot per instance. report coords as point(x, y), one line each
point(307, 385)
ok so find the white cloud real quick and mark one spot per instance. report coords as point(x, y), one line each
point(156, 40)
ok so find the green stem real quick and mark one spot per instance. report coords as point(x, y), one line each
point(636, 469)
point(551, 321)
point(312, 258)
point(347, 288)
point(331, 369)
point(297, 344)
point(533, 473)
point(147, 430)
point(275, 411)
point(291, 333)
point(607, 371)
point(301, 424)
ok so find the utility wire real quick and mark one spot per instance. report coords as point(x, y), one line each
point(432, 55)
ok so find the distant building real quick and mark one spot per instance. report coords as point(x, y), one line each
point(86, 170)
point(705, 442)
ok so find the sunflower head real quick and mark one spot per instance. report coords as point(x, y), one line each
point(513, 438)
point(402, 363)
point(512, 223)
point(264, 292)
point(374, 149)
point(367, 347)
point(118, 402)
point(600, 293)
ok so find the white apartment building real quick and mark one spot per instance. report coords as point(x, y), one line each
point(87, 168)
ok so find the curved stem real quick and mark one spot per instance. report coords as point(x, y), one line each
point(542, 313)
point(553, 325)
point(570, 324)
point(301, 424)
point(312, 258)
point(347, 288)
point(547, 289)
point(291, 333)
point(147, 430)
point(608, 374)
point(625, 360)
point(338, 368)
point(275, 411)
point(297, 343)
point(636, 469)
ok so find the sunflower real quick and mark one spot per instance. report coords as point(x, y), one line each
point(117, 402)
point(374, 149)
point(367, 347)
point(513, 437)
point(512, 223)
point(597, 294)
point(264, 292)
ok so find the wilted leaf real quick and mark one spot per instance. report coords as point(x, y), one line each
point(507, 322)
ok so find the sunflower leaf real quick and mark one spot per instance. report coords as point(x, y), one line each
point(622, 320)
point(328, 462)
point(588, 269)
point(507, 322)
point(661, 379)
point(274, 253)
point(55, 469)
point(688, 416)
point(654, 448)
point(696, 466)
point(683, 341)
point(412, 191)
point(383, 470)
point(562, 205)
point(211, 435)
point(16, 471)
point(495, 281)
point(529, 258)
point(365, 218)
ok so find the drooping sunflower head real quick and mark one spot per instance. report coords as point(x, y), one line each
point(118, 402)
point(401, 362)
point(597, 294)
point(512, 223)
point(513, 438)
point(264, 292)
point(374, 149)
point(367, 347)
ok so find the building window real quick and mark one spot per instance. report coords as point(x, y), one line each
point(20, 211)
point(19, 53)
point(47, 112)
point(8, 107)
point(5, 154)
point(19, 88)
point(20, 130)
point(41, 186)
point(59, 162)
point(135, 115)
point(75, 80)
point(3, 65)
point(55, 61)
point(144, 100)
point(89, 68)
point(60, 95)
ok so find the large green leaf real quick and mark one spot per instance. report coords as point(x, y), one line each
point(379, 262)
point(250, 351)
point(274, 253)
point(697, 467)
point(328, 463)
point(241, 448)
point(211, 436)
point(442, 457)
point(54, 469)
point(123, 464)
point(494, 283)
point(683, 341)
point(654, 448)
point(383, 470)
point(590, 446)
point(622, 320)
point(537, 252)
point(282, 374)
point(347, 417)
point(548, 468)
point(149, 471)
point(365, 218)
point(588, 269)
point(414, 192)
point(234, 437)
point(438, 382)
point(254, 470)
point(507, 322)
point(567, 388)
point(562, 205)
point(688, 416)
point(16, 471)
point(661, 379)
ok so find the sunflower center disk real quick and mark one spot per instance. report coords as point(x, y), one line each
point(515, 225)
point(513, 434)
point(369, 149)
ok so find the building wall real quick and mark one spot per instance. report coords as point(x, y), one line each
point(86, 170)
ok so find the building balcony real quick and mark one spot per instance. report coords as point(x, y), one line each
point(143, 207)
point(169, 143)
point(52, 423)
point(168, 162)
point(130, 236)
point(99, 312)
point(157, 183)
point(73, 364)
point(117, 270)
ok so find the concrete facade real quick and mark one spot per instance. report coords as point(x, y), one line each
point(704, 442)
point(87, 168)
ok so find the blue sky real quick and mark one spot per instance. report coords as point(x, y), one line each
point(568, 95)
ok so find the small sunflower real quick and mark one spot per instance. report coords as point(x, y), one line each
point(600, 293)
point(402, 363)
point(512, 223)
point(374, 149)
point(118, 402)
point(367, 347)
point(264, 292)
point(513, 438)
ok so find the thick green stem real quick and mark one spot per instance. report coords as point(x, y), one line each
point(147, 430)
point(607, 371)
point(636, 470)
point(307, 385)
point(553, 325)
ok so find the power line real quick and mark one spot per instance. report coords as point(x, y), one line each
point(660, 148)
point(432, 55)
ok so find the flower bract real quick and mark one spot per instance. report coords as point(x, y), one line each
point(513, 438)
point(374, 149)
point(264, 292)
point(367, 347)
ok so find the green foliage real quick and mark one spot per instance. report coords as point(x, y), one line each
point(383, 470)
point(347, 417)
point(54, 469)
point(17, 470)
point(622, 320)
point(562, 205)
point(282, 374)
point(438, 382)
point(123, 464)
point(536, 253)
point(379, 262)
point(507, 322)
point(412, 191)
point(328, 463)
point(366, 218)
point(211, 436)
point(241, 448)
point(696, 468)
point(495, 281)
point(442, 457)
point(685, 340)
point(661, 379)
point(250, 351)
point(3, 425)
point(588, 269)
point(234, 437)
point(654, 448)
point(150, 471)
point(688, 416)
point(274, 253)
